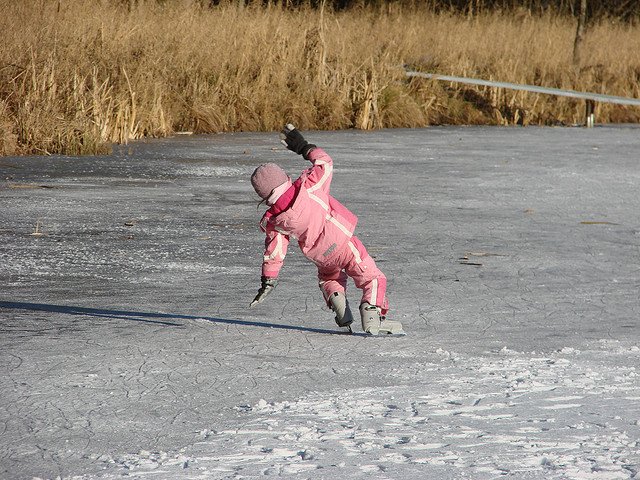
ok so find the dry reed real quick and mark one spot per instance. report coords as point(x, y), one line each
point(78, 75)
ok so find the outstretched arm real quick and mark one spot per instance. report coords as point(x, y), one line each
point(274, 252)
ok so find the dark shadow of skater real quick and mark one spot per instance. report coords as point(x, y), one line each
point(152, 317)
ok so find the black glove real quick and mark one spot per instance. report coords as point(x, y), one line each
point(268, 284)
point(294, 141)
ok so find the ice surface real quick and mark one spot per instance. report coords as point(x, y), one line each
point(513, 257)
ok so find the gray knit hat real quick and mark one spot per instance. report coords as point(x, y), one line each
point(267, 177)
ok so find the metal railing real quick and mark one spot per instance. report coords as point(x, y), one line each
point(590, 98)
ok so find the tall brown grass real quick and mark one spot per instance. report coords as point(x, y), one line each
point(77, 75)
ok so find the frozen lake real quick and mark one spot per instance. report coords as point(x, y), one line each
point(513, 259)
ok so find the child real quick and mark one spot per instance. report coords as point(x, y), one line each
point(305, 211)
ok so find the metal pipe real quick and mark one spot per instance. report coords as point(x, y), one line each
point(530, 88)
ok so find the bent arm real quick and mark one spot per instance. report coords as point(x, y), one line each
point(275, 249)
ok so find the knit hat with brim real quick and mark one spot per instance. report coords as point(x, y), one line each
point(266, 178)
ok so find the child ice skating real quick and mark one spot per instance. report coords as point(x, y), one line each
point(304, 210)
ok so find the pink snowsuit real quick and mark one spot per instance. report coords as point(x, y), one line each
point(324, 230)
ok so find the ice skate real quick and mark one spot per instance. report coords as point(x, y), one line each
point(340, 306)
point(374, 323)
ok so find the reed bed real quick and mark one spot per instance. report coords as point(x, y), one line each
point(78, 75)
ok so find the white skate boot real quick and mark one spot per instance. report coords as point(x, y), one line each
point(374, 323)
point(340, 306)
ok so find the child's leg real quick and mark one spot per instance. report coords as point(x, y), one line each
point(333, 284)
point(367, 276)
point(331, 280)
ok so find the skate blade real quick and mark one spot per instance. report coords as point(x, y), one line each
point(386, 333)
point(401, 333)
point(346, 329)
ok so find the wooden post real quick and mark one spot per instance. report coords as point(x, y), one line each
point(590, 113)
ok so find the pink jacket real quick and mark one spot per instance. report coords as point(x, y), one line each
point(318, 221)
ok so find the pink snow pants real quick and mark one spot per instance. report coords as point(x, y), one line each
point(353, 261)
